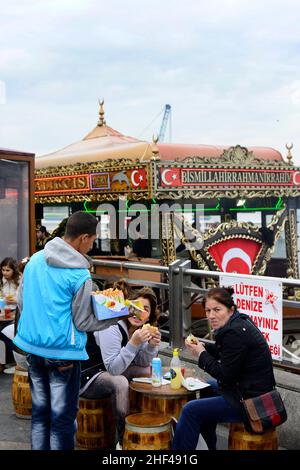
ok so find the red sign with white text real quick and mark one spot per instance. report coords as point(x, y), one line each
point(262, 300)
point(175, 177)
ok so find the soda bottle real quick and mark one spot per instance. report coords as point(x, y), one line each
point(156, 372)
point(175, 370)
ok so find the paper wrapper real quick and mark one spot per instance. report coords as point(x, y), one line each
point(102, 312)
point(191, 383)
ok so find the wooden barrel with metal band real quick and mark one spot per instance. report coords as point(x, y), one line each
point(21, 395)
point(240, 439)
point(96, 427)
point(164, 400)
point(147, 431)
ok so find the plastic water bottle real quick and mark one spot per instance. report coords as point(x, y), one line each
point(175, 371)
point(2, 307)
point(156, 372)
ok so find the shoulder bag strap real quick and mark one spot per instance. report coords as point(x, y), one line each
point(124, 335)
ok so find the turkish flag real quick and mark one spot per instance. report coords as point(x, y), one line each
point(170, 177)
point(236, 255)
point(138, 179)
point(296, 177)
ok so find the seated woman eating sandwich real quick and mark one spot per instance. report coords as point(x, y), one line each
point(118, 354)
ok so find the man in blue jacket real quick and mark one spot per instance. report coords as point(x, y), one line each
point(55, 301)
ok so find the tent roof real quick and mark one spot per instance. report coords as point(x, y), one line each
point(104, 142)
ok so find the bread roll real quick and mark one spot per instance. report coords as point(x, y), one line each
point(191, 339)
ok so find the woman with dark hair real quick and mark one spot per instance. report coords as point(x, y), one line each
point(9, 284)
point(241, 363)
point(9, 280)
point(123, 351)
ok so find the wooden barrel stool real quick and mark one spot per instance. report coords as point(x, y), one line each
point(147, 431)
point(96, 428)
point(240, 439)
point(134, 401)
point(165, 405)
point(21, 396)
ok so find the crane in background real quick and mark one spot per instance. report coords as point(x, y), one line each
point(163, 127)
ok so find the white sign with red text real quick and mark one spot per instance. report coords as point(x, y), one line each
point(262, 301)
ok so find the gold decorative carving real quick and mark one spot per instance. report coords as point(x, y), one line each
point(224, 227)
point(101, 121)
point(193, 252)
point(277, 225)
point(289, 155)
point(109, 165)
point(230, 194)
point(235, 157)
point(292, 245)
point(155, 150)
point(77, 168)
point(193, 234)
point(238, 155)
point(246, 230)
point(167, 238)
point(90, 197)
point(152, 177)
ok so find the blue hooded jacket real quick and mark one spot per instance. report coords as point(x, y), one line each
point(52, 279)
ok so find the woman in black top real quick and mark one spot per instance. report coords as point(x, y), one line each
point(241, 363)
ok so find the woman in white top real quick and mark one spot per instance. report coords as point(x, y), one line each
point(9, 281)
point(9, 284)
point(126, 351)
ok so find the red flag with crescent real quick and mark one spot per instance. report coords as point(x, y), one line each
point(138, 179)
point(236, 255)
point(170, 177)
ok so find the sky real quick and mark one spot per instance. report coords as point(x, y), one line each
point(230, 70)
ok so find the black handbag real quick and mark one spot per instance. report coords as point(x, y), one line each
point(264, 412)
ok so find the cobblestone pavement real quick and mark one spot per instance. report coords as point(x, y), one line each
point(14, 432)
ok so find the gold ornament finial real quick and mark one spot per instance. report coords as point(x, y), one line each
point(155, 138)
point(289, 155)
point(101, 121)
point(155, 149)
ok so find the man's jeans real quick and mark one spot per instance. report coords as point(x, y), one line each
point(201, 417)
point(54, 386)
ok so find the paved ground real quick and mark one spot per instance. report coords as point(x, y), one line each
point(14, 432)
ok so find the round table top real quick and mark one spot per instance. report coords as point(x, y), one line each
point(163, 390)
point(147, 419)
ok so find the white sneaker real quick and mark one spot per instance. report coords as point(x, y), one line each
point(118, 446)
point(10, 364)
point(9, 370)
